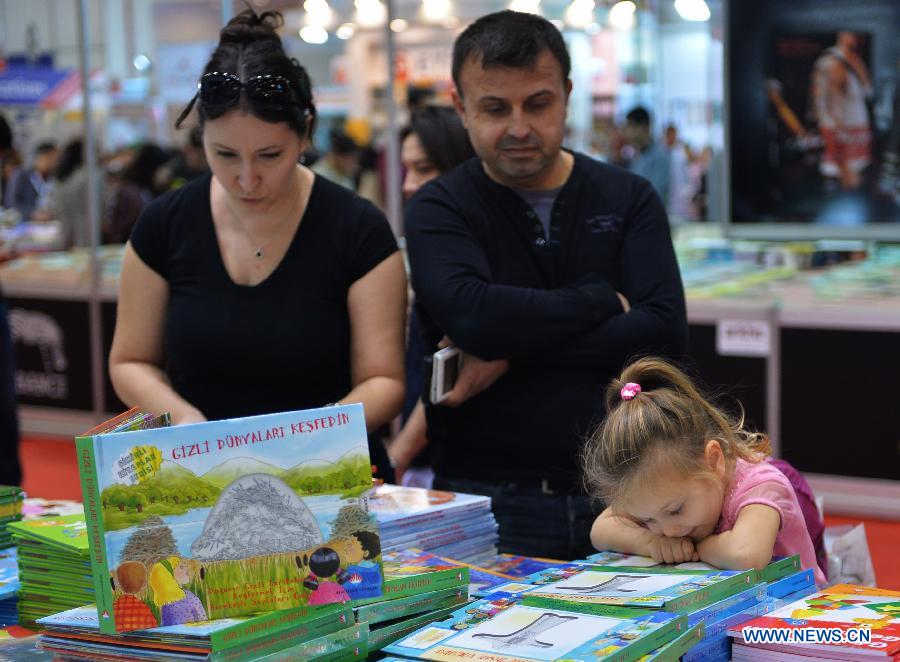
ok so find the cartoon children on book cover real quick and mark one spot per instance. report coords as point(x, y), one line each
point(234, 517)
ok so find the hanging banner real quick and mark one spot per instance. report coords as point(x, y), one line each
point(36, 86)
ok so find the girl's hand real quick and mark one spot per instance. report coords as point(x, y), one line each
point(673, 550)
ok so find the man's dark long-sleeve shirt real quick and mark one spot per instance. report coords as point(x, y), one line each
point(486, 276)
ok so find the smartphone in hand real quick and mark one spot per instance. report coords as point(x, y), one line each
point(445, 367)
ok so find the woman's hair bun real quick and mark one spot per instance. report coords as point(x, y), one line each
point(248, 27)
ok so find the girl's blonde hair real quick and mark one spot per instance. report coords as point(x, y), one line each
point(162, 580)
point(666, 424)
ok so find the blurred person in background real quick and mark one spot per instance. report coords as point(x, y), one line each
point(189, 163)
point(10, 468)
point(10, 165)
point(682, 186)
point(646, 156)
point(70, 202)
point(30, 189)
point(130, 193)
point(341, 162)
point(435, 142)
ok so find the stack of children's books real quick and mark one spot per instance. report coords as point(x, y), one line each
point(842, 622)
point(262, 518)
point(10, 511)
point(447, 524)
point(701, 602)
point(418, 588)
point(54, 569)
point(77, 631)
point(9, 587)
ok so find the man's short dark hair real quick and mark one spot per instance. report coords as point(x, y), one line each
point(45, 147)
point(639, 115)
point(340, 143)
point(509, 39)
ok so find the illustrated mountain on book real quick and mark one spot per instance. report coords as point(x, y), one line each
point(230, 517)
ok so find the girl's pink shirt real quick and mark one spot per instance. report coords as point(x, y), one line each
point(760, 482)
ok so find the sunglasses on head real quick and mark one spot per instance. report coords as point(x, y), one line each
point(267, 93)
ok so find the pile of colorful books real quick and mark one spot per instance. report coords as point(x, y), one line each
point(842, 622)
point(447, 524)
point(54, 569)
point(9, 587)
point(10, 511)
point(610, 606)
point(325, 627)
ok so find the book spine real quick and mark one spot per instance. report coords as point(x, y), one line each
point(93, 516)
point(424, 583)
point(308, 620)
point(416, 604)
point(780, 568)
point(287, 637)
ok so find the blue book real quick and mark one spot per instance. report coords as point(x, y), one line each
point(9, 573)
point(411, 509)
point(791, 584)
point(726, 607)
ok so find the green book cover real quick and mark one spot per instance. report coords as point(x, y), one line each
point(388, 610)
point(66, 534)
point(672, 651)
point(384, 634)
point(658, 587)
point(232, 517)
point(413, 572)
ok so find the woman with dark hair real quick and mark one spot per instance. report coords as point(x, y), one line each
point(434, 143)
point(132, 192)
point(260, 287)
point(69, 204)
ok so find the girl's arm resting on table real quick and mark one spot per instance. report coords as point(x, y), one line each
point(377, 306)
point(748, 545)
point(619, 534)
point(612, 532)
point(136, 357)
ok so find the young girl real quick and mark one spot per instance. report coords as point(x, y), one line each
point(684, 482)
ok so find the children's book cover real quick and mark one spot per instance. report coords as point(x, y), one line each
point(382, 634)
point(231, 517)
point(516, 566)
point(843, 606)
point(413, 572)
point(9, 573)
point(503, 630)
point(781, 566)
point(411, 508)
point(657, 587)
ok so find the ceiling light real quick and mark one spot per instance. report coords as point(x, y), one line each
point(621, 16)
point(345, 31)
point(526, 6)
point(435, 10)
point(370, 13)
point(399, 25)
point(692, 10)
point(318, 13)
point(580, 13)
point(313, 34)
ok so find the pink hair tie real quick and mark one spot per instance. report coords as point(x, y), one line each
point(629, 391)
